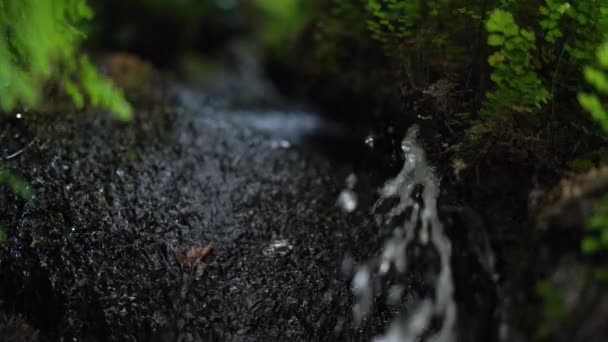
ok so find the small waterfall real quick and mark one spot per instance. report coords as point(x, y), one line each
point(415, 189)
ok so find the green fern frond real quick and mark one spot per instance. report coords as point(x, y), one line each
point(41, 41)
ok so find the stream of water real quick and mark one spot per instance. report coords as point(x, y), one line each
point(416, 221)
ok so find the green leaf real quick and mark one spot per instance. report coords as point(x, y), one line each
point(499, 20)
point(548, 24)
point(563, 8)
point(596, 78)
point(592, 104)
point(551, 4)
point(496, 39)
point(590, 245)
point(555, 33)
point(582, 19)
point(496, 58)
point(374, 6)
point(602, 55)
point(511, 30)
point(72, 90)
point(596, 222)
point(528, 35)
point(102, 93)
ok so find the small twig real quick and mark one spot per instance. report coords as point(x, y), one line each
point(11, 156)
point(447, 124)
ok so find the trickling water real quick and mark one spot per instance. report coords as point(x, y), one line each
point(421, 223)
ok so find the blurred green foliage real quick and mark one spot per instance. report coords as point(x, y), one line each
point(518, 86)
point(598, 79)
point(281, 21)
point(534, 49)
point(168, 32)
point(101, 92)
point(595, 239)
point(41, 39)
point(393, 20)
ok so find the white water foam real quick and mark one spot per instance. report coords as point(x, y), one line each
point(423, 213)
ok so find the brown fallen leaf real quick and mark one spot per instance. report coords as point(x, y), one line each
point(195, 255)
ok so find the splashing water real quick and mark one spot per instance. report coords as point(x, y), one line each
point(423, 224)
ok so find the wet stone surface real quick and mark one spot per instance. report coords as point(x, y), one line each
point(98, 254)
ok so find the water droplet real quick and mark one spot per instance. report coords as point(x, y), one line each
point(385, 266)
point(351, 181)
point(361, 280)
point(347, 265)
point(370, 140)
point(283, 144)
point(339, 326)
point(347, 200)
point(280, 247)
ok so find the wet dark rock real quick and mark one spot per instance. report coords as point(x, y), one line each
point(95, 254)
point(570, 202)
